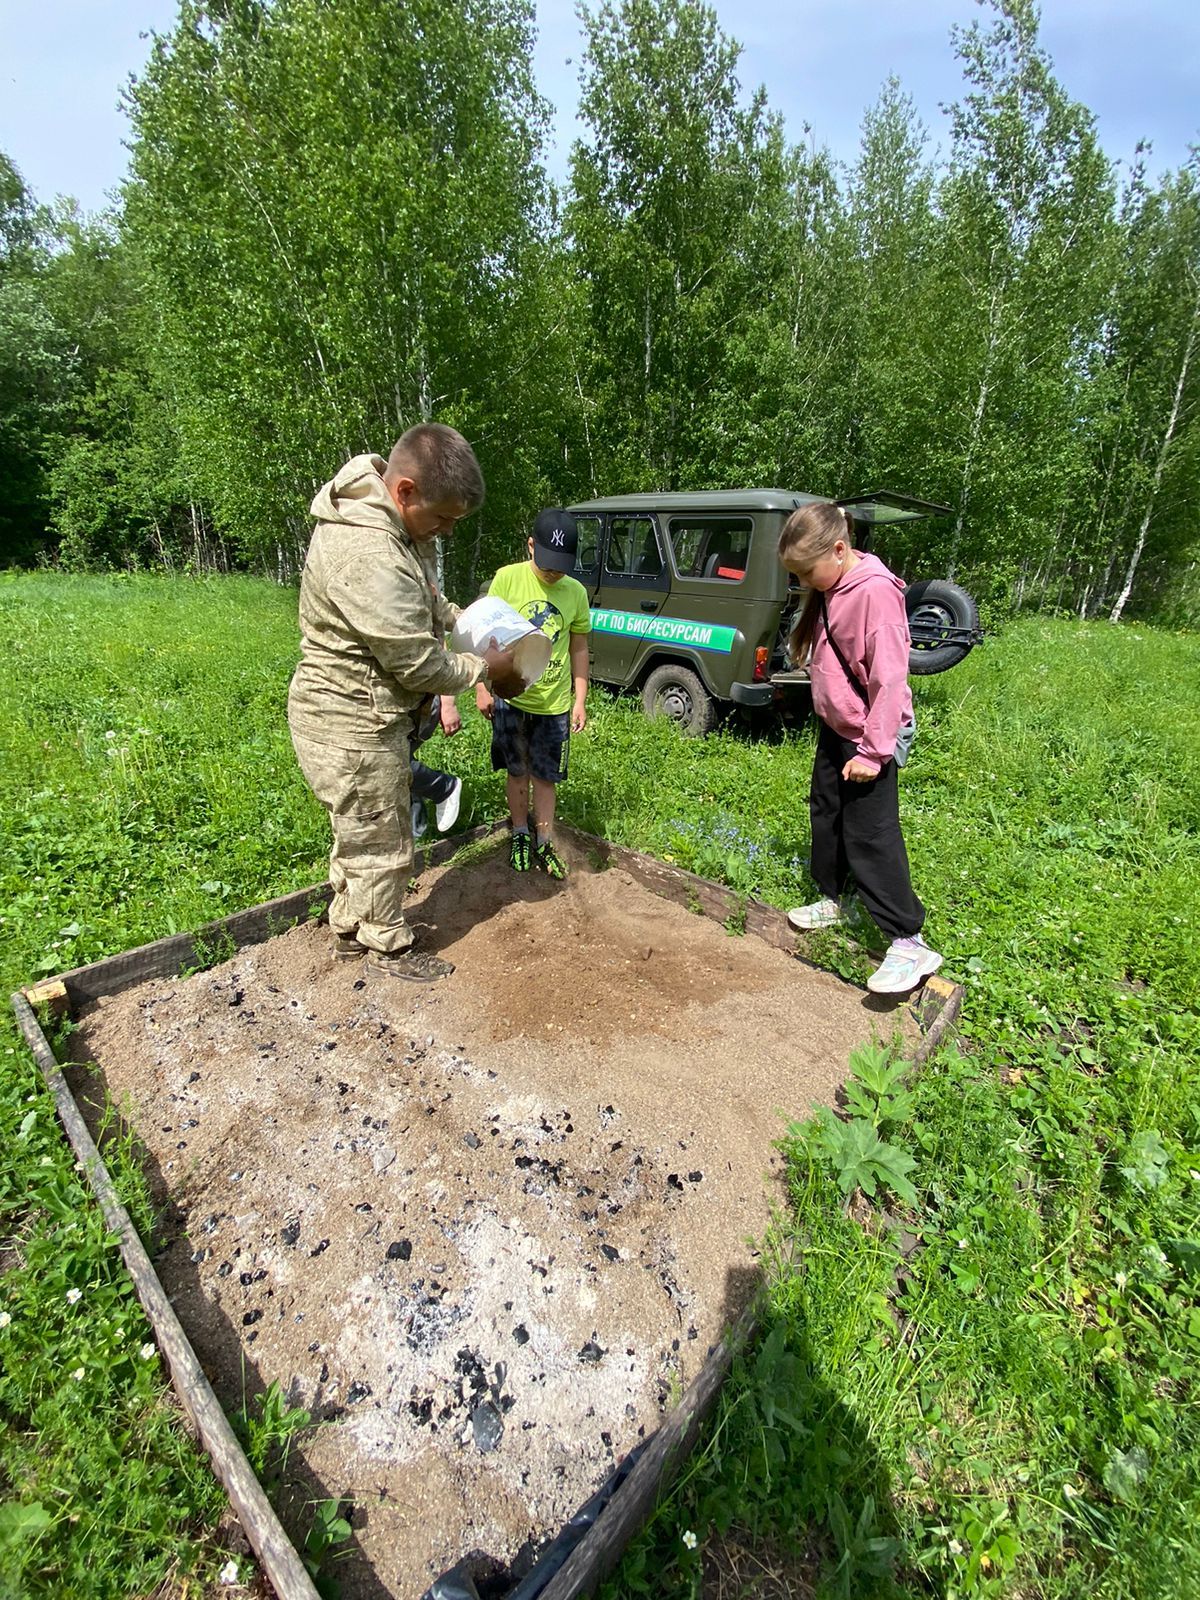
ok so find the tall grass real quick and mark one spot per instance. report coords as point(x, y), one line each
point(987, 1389)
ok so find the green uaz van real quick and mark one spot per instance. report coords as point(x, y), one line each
point(691, 606)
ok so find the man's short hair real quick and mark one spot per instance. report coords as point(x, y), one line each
point(440, 462)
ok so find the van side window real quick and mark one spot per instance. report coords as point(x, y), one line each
point(710, 547)
point(632, 548)
point(589, 540)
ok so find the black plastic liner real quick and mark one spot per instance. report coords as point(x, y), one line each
point(458, 1583)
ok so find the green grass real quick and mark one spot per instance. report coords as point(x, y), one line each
point(1007, 1409)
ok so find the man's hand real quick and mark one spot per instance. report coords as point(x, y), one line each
point(505, 680)
point(484, 700)
point(579, 717)
point(451, 717)
point(856, 771)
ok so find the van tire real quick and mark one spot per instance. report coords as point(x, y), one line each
point(945, 605)
point(677, 693)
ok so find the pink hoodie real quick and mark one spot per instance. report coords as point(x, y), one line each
point(869, 622)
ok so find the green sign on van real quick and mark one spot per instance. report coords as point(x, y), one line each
point(667, 630)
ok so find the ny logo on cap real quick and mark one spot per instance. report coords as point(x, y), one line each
point(556, 537)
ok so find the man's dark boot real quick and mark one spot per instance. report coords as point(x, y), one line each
point(418, 966)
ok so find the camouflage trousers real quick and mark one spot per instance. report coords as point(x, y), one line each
point(366, 795)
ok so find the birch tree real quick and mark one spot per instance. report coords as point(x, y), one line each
point(1154, 356)
point(1024, 209)
point(662, 187)
point(341, 210)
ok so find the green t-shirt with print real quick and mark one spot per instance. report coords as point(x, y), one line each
point(559, 610)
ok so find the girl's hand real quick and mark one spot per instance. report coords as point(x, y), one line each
point(856, 771)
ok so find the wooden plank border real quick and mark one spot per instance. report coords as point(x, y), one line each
point(934, 1007)
point(602, 1546)
point(277, 1554)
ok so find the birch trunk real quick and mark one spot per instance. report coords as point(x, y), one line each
point(1163, 450)
point(994, 314)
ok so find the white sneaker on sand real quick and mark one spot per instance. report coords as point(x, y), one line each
point(446, 810)
point(821, 914)
point(904, 966)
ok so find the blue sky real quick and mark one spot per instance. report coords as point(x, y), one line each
point(1134, 63)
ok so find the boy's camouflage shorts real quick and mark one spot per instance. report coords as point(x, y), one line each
point(530, 743)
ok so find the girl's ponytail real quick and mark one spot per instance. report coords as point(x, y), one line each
point(808, 534)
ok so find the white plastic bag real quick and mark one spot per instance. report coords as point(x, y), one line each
point(492, 618)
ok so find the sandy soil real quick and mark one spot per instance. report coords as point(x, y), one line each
point(486, 1231)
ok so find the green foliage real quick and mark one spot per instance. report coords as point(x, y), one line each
point(129, 707)
point(323, 1544)
point(309, 259)
point(266, 1435)
point(979, 1388)
point(332, 256)
point(860, 1159)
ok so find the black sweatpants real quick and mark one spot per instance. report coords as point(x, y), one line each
point(429, 783)
point(856, 830)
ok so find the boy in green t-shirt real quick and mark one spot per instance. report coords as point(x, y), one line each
point(531, 734)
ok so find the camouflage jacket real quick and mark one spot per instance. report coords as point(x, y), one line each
point(371, 621)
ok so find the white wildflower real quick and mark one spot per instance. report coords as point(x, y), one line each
point(229, 1572)
point(955, 1547)
point(689, 1539)
point(147, 1352)
point(73, 1295)
point(5, 1319)
point(78, 1374)
point(109, 733)
point(962, 1244)
point(1121, 1280)
point(1070, 1492)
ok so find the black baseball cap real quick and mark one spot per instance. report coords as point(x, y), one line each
point(555, 540)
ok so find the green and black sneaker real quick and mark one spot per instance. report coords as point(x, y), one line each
point(519, 852)
point(551, 863)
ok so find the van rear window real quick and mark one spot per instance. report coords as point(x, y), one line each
point(715, 548)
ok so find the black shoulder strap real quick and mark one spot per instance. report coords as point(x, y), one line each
point(862, 693)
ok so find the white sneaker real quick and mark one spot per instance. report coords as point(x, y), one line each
point(821, 914)
point(906, 963)
point(446, 810)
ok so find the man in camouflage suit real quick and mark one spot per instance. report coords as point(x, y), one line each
point(372, 623)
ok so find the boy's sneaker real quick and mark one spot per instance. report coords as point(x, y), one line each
point(519, 852)
point(821, 914)
point(904, 966)
point(446, 811)
point(551, 863)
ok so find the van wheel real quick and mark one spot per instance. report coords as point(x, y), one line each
point(933, 605)
point(677, 693)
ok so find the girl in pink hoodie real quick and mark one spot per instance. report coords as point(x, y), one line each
point(853, 631)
